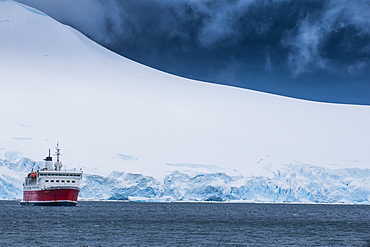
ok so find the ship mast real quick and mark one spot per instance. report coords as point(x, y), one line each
point(58, 165)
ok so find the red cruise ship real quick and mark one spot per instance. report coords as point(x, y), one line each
point(51, 186)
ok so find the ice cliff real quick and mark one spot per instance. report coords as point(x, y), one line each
point(293, 183)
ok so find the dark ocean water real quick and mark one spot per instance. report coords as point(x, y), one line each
point(184, 224)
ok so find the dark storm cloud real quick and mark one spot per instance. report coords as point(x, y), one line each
point(308, 49)
point(345, 22)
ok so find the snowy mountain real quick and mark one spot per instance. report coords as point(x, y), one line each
point(319, 51)
point(187, 140)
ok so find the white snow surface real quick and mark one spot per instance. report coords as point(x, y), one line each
point(112, 114)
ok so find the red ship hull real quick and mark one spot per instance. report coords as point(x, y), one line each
point(50, 197)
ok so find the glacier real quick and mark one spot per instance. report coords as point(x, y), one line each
point(144, 135)
point(290, 183)
point(286, 183)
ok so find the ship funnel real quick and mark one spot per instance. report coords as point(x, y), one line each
point(49, 162)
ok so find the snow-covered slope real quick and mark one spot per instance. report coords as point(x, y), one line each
point(110, 113)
